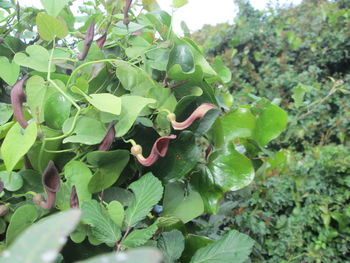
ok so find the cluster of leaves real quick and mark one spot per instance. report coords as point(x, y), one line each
point(90, 85)
point(297, 55)
point(297, 209)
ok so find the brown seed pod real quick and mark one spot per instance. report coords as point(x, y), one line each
point(74, 200)
point(17, 99)
point(107, 141)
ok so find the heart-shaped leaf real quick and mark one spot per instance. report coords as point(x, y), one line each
point(37, 58)
point(56, 110)
point(5, 112)
point(50, 27)
point(17, 143)
point(106, 102)
point(9, 72)
point(53, 8)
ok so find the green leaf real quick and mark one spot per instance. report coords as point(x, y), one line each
point(181, 55)
point(148, 190)
point(103, 227)
point(269, 124)
point(180, 159)
point(87, 131)
point(232, 247)
point(139, 237)
point(56, 110)
point(224, 73)
point(105, 102)
point(299, 92)
point(150, 5)
point(37, 92)
point(185, 204)
point(50, 27)
point(172, 245)
point(116, 212)
point(179, 3)
point(131, 108)
point(41, 242)
point(12, 182)
point(192, 244)
point(9, 72)
point(79, 175)
point(37, 59)
point(17, 143)
point(53, 8)
point(22, 218)
point(110, 165)
point(5, 112)
point(144, 255)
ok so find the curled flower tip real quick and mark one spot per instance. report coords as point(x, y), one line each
point(198, 114)
point(89, 37)
point(107, 141)
point(74, 200)
point(51, 182)
point(101, 40)
point(126, 20)
point(17, 99)
point(159, 149)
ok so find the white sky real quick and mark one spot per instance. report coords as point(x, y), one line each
point(196, 13)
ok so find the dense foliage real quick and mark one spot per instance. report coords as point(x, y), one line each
point(297, 208)
point(116, 133)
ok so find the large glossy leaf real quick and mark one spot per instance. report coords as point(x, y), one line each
point(12, 181)
point(56, 110)
point(78, 174)
point(138, 237)
point(144, 255)
point(103, 227)
point(131, 108)
point(171, 244)
point(22, 218)
point(87, 131)
point(269, 124)
point(185, 204)
point(50, 27)
point(37, 58)
point(17, 143)
point(109, 167)
point(9, 72)
point(180, 159)
point(42, 242)
point(53, 8)
point(232, 247)
point(181, 55)
point(148, 190)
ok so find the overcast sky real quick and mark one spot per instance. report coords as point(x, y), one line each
point(197, 12)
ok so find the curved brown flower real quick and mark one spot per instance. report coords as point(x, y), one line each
point(126, 20)
point(51, 182)
point(89, 37)
point(198, 114)
point(74, 200)
point(160, 148)
point(107, 141)
point(17, 99)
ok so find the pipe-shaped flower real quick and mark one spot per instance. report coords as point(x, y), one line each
point(89, 37)
point(160, 148)
point(74, 200)
point(17, 99)
point(198, 114)
point(101, 40)
point(51, 182)
point(126, 20)
point(107, 141)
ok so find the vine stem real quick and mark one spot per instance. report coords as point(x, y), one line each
point(119, 245)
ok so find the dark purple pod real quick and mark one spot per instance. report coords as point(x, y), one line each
point(74, 200)
point(126, 20)
point(89, 37)
point(51, 182)
point(17, 99)
point(101, 40)
point(107, 141)
point(159, 149)
point(197, 114)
